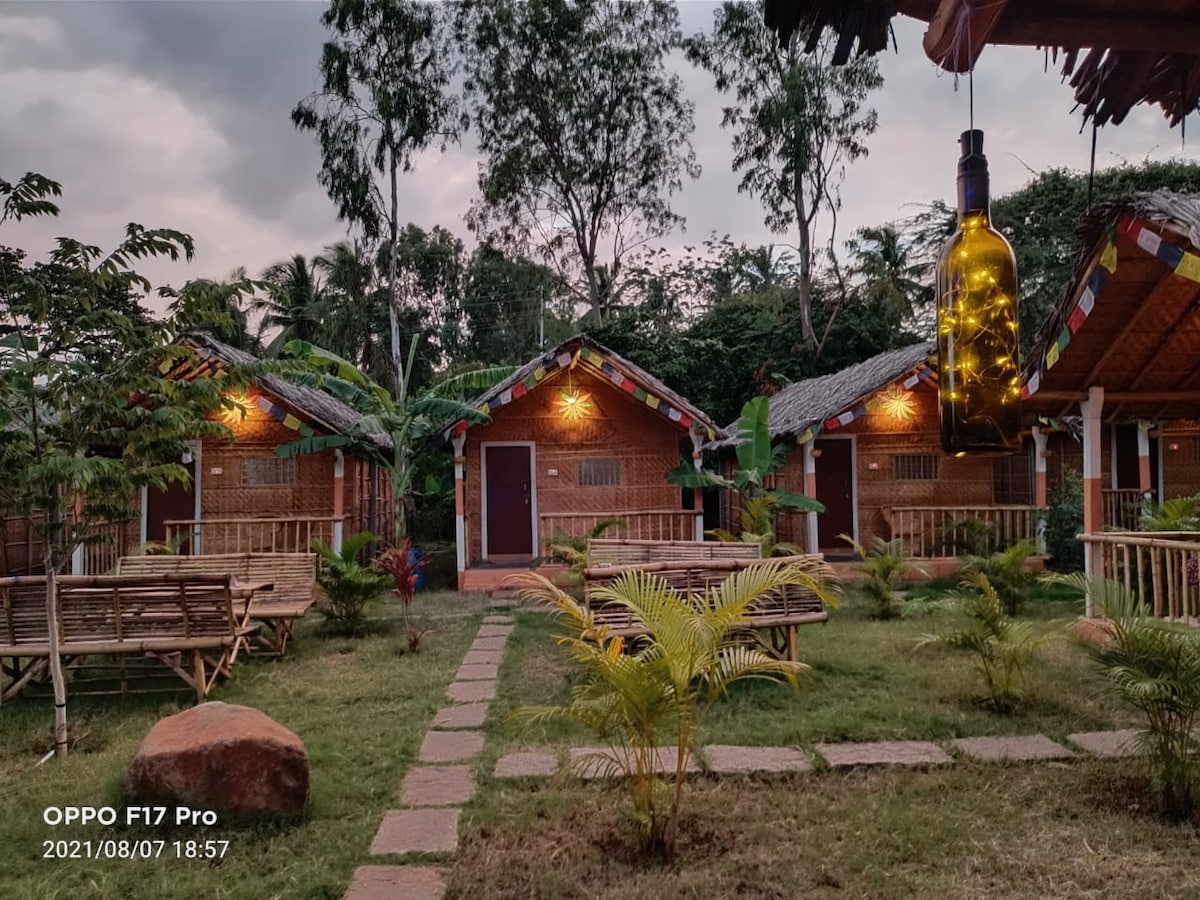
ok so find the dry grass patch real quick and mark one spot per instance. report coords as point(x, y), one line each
point(1002, 833)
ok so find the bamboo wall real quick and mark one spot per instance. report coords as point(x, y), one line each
point(647, 444)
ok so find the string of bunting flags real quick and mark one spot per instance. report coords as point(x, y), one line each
point(604, 367)
point(924, 373)
point(282, 416)
point(1183, 263)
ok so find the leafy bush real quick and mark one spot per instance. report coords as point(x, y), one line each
point(758, 527)
point(1154, 667)
point(1064, 520)
point(658, 694)
point(404, 569)
point(1003, 648)
point(969, 537)
point(348, 584)
point(1006, 572)
point(1178, 514)
point(572, 551)
point(886, 566)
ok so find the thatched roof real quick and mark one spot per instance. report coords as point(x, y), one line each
point(319, 408)
point(581, 350)
point(1141, 51)
point(1130, 320)
point(805, 405)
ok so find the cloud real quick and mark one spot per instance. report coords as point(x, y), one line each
point(177, 114)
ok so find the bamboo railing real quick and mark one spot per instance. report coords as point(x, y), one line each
point(928, 531)
point(1162, 569)
point(293, 534)
point(640, 524)
point(1122, 508)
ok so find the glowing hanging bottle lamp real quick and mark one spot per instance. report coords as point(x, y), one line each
point(979, 384)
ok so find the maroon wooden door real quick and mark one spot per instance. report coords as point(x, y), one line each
point(509, 521)
point(835, 489)
point(178, 501)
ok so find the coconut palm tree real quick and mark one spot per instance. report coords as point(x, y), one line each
point(886, 270)
point(356, 322)
point(295, 303)
point(220, 308)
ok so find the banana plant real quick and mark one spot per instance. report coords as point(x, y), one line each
point(409, 424)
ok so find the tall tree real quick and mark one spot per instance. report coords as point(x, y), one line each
point(385, 96)
point(584, 131)
point(356, 323)
point(798, 122)
point(886, 268)
point(220, 308)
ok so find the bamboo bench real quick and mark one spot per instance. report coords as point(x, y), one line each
point(698, 567)
point(164, 617)
point(285, 584)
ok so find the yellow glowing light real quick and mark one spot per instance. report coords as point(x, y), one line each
point(237, 404)
point(897, 403)
point(574, 404)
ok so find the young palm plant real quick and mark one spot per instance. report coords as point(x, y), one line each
point(885, 566)
point(758, 527)
point(573, 550)
point(1154, 667)
point(348, 584)
point(1003, 648)
point(1006, 572)
point(638, 698)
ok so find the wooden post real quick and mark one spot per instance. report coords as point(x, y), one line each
point(810, 490)
point(57, 679)
point(698, 462)
point(339, 499)
point(459, 442)
point(1093, 491)
point(1143, 445)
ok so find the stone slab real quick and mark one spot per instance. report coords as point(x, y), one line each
point(1016, 749)
point(438, 786)
point(450, 746)
point(497, 620)
point(1106, 743)
point(465, 715)
point(417, 831)
point(487, 645)
point(493, 631)
point(471, 691)
point(391, 882)
point(477, 672)
point(884, 753)
point(583, 762)
point(483, 658)
point(724, 758)
point(527, 764)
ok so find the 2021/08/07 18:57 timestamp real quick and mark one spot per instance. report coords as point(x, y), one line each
point(135, 849)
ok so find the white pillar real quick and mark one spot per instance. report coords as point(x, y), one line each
point(810, 490)
point(1093, 491)
point(78, 561)
point(339, 488)
point(459, 443)
point(698, 462)
point(1143, 445)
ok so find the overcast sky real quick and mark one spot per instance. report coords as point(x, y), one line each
point(175, 114)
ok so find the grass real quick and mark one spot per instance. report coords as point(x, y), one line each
point(360, 706)
point(1002, 833)
point(867, 683)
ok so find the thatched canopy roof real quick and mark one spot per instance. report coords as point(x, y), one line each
point(808, 406)
point(1116, 53)
point(582, 351)
point(1130, 320)
point(318, 408)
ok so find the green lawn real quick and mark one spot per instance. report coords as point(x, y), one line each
point(867, 683)
point(360, 706)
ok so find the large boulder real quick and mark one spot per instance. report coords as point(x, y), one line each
point(233, 760)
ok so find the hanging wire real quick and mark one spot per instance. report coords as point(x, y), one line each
point(971, 94)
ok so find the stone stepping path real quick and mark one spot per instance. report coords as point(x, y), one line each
point(1012, 749)
point(732, 760)
point(392, 882)
point(434, 792)
point(1107, 744)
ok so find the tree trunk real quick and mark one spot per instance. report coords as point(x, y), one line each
point(805, 247)
point(57, 677)
point(594, 293)
point(393, 296)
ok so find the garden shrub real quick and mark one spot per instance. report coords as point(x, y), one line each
point(1064, 520)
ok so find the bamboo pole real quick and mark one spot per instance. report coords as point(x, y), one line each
point(57, 678)
point(1158, 606)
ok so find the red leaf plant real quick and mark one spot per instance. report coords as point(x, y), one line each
point(404, 569)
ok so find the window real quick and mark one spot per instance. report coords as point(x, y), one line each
point(915, 468)
point(599, 472)
point(1012, 478)
point(267, 471)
